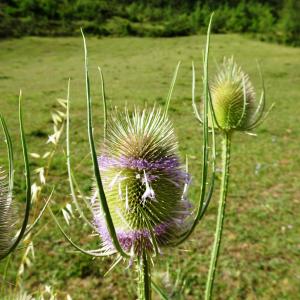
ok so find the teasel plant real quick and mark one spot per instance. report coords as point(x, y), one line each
point(139, 201)
point(8, 240)
point(36, 203)
point(232, 108)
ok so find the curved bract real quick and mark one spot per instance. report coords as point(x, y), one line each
point(144, 181)
point(10, 242)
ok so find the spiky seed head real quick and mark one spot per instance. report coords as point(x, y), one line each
point(144, 182)
point(232, 96)
point(7, 215)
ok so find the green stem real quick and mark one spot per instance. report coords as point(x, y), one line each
point(221, 214)
point(5, 274)
point(144, 278)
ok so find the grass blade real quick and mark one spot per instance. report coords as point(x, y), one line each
point(196, 112)
point(103, 101)
point(9, 154)
point(159, 291)
point(171, 89)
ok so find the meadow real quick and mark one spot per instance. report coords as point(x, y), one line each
point(260, 251)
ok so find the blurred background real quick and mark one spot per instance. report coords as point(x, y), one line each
point(138, 44)
point(271, 20)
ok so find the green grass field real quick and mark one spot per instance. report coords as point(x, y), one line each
point(260, 251)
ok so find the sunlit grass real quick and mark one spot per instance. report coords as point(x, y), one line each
point(259, 253)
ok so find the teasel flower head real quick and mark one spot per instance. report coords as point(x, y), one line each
point(7, 215)
point(144, 182)
point(233, 99)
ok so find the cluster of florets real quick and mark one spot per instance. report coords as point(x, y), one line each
point(144, 182)
point(233, 97)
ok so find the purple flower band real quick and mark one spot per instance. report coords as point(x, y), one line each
point(169, 165)
point(131, 238)
point(139, 163)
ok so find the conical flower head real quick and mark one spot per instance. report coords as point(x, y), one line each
point(7, 215)
point(233, 97)
point(143, 180)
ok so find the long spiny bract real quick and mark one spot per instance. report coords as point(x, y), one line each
point(7, 215)
point(143, 181)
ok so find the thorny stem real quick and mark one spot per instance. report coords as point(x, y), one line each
point(221, 214)
point(144, 277)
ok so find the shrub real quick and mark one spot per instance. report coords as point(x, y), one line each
point(178, 26)
point(289, 24)
point(265, 19)
point(262, 19)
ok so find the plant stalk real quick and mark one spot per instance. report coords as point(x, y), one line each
point(226, 142)
point(144, 278)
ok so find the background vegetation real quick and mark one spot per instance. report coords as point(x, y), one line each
point(260, 254)
point(273, 20)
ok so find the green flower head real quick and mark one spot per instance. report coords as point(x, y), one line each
point(144, 182)
point(233, 97)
